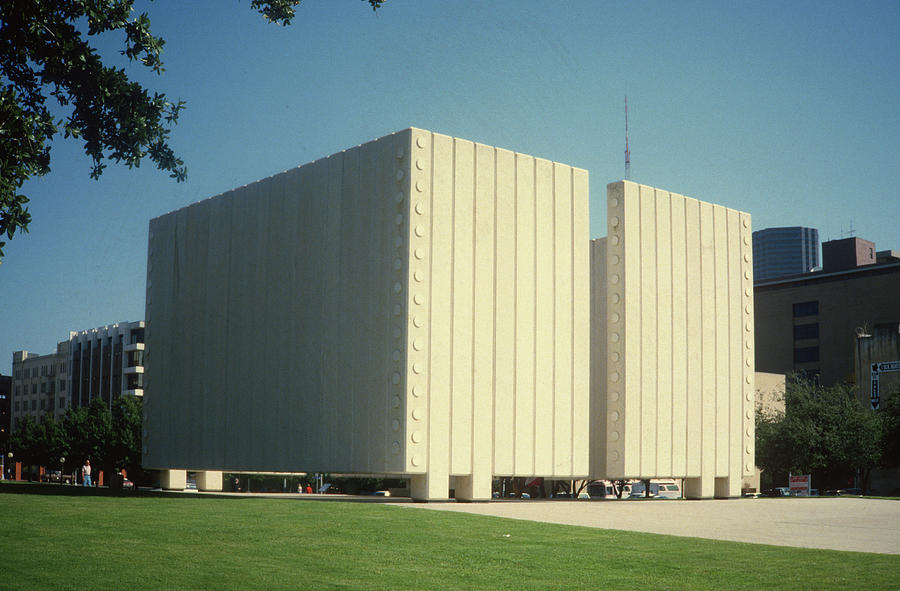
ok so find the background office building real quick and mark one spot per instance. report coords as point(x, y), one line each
point(811, 322)
point(105, 362)
point(778, 252)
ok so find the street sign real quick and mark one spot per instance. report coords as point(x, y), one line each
point(877, 369)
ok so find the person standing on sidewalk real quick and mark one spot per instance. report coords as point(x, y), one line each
point(86, 473)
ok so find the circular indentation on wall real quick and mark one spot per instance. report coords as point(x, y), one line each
point(748, 362)
point(416, 436)
point(417, 368)
point(395, 401)
point(614, 202)
point(748, 468)
point(418, 299)
point(749, 450)
point(417, 390)
point(746, 223)
point(398, 241)
point(615, 298)
point(399, 197)
point(614, 376)
point(748, 344)
point(395, 448)
point(614, 337)
point(748, 292)
point(416, 460)
point(747, 308)
point(395, 425)
point(420, 208)
point(420, 164)
point(614, 259)
point(420, 141)
point(396, 332)
point(399, 175)
point(613, 221)
point(395, 379)
point(614, 416)
point(396, 354)
point(418, 276)
point(747, 257)
point(419, 253)
point(420, 231)
point(747, 240)
point(400, 152)
point(399, 219)
point(747, 274)
point(749, 414)
point(417, 322)
point(747, 379)
point(397, 310)
point(748, 327)
point(749, 431)
point(417, 345)
point(749, 396)
point(614, 435)
point(417, 414)
point(614, 278)
point(615, 356)
point(614, 456)
point(614, 239)
point(397, 287)
point(613, 395)
point(613, 317)
point(397, 264)
point(420, 186)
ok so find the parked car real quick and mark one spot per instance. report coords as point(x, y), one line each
point(773, 492)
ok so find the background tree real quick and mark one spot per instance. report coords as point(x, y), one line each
point(826, 432)
point(127, 421)
point(90, 435)
point(45, 51)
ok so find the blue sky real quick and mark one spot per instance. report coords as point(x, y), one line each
point(786, 110)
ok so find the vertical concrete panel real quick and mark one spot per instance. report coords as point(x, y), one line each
point(197, 236)
point(679, 359)
point(630, 277)
point(563, 308)
point(462, 305)
point(441, 345)
point(581, 338)
point(483, 325)
point(525, 319)
point(664, 319)
point(748, 400)
point(707, 348)
point(723, 340)
point(505, 314)
point(599, 411)
point(694, 337)
point(649, 304)
point(333, 326)
point(544, 330)
point(736, 348)
point(611, 323)
point(419, 391)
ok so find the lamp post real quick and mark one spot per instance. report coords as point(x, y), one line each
point(10, 456)
point(62, 464)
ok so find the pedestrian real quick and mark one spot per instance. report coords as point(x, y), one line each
point(86, 473)
point(308, 489)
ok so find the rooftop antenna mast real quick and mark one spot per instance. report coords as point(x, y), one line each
point(627, 151)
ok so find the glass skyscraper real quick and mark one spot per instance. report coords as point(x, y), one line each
point(778, 252)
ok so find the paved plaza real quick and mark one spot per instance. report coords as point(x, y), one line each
point(840, 523)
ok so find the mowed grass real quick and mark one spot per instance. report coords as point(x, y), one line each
point(199, 542)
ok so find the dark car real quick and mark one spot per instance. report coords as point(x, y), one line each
point(773, 492)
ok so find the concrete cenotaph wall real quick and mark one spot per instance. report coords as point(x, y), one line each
point(672, 385)
point(417, 305)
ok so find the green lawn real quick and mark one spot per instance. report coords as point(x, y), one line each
point(197, 542)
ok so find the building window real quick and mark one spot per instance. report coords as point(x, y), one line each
point(17, 406)
point(62, 402)
point(34, 371)
point(806, 331)
point(34, 405)
point(806, 309)
point(18, 390)
point(62, 385)
point(43, 387)
point(34, 388)
point(43, 404)
point(806, 354)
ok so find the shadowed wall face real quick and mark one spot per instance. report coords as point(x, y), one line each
point(413, 305)
point(677, 397)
